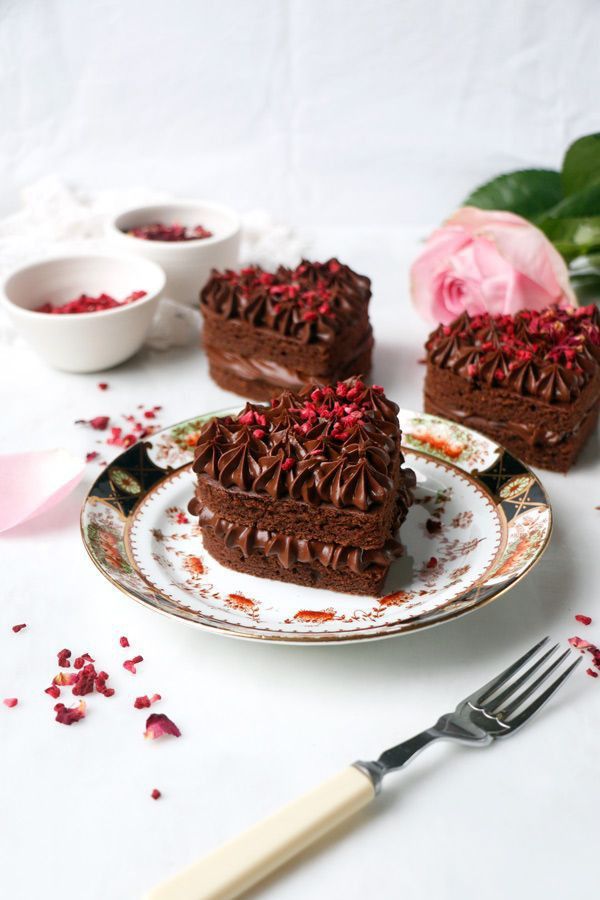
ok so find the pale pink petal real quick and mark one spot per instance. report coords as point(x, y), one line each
point(526, 248)
point(32, 483)
point(433, 261)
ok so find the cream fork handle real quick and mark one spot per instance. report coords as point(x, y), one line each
point(243, 861)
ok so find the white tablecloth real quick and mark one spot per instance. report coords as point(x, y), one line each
point(263, 723)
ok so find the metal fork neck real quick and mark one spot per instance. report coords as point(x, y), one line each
point(397, 757)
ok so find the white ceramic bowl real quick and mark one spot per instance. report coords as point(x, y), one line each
point(84, 342)
point(187, 264)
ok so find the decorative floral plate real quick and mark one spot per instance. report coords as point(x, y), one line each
point(495, 524)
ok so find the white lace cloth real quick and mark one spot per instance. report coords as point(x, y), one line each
point(56, 218)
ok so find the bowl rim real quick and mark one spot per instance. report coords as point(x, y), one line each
point(10, 305)
point(179, 246)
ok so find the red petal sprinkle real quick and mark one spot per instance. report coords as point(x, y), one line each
point(579, 643)
point(102, 385)
point(161, 231)
point(592, 673)
point(432, 563)
point(10, 702)
point(53, 691)
point(65, 678)
point(123, 641)
point(158, 724)
point(145, 701)
point(288, 463)
point(63, 658)
point(130, 664)
point(67, 716)
point(91, 456)
point(155, 794)
point(17, 628)
point(585, 620)
point(100, 423)
point(86, 304)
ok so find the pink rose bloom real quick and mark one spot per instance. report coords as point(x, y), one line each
point(486, 261)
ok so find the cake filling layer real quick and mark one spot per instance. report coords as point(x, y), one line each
point(271, 372)
point(532, 434)
point(290, 550)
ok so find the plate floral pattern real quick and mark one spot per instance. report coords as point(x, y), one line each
point(495, 524)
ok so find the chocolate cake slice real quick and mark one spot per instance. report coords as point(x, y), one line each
point(265, 332)
point(310, 489)
point(530, 381)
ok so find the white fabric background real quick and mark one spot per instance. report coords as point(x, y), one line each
point(329, 111)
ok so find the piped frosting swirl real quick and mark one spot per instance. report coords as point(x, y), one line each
point(326, 445)
point(310, 303)
point(550, 354)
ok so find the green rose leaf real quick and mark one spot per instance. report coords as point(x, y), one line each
point(584, 203)
point(573, 237)
point(581, 165)
point(528, 192)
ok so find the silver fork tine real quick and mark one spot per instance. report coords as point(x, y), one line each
point(497, 709)
point(478, 696)
point(495, 702)
point(537, 704)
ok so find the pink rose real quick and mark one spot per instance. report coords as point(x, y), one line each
point(485, 261)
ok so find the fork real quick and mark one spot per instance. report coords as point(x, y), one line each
point(497, 709)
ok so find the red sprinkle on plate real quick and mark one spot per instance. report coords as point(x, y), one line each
point(17, 628)
point(10, 702)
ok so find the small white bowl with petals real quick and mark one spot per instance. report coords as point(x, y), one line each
point(187, 263)
point(84, 341)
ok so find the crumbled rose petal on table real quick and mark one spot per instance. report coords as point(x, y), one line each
point(158, 725)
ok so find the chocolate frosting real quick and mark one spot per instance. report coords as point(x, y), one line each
point(551, 354)
point(309, 303)
point(290, 550)
point(338, 446)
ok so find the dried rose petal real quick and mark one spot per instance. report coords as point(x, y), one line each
point(17, 628)
point(100, 423)
point(585, 620)
point(65, 678)
point(579, 643)
point(102, 385)
point(432, 562)
point(67, 716)
point(144, 702)
point(123, 641)
point(86, 304)
point(10, 702)
point(155, 794)
point(63, 658)
point(53, 691)
point(591, 672)
point(130, 664)
point(91, 456)
point(158, 724)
